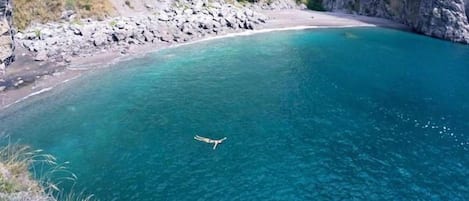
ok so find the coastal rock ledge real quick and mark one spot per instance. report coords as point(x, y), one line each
point(445, 19)
point(185, 21)
point(6, 35)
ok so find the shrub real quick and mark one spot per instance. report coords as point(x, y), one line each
point(314, 5)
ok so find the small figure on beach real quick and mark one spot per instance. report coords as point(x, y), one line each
point(210, 141)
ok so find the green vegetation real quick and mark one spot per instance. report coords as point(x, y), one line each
point(354, 6)
point(313, 4)
point(37, 32)
point(16, 163)
point(28, 11)
point(113, 23)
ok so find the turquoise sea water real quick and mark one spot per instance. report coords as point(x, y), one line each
point(329, 114)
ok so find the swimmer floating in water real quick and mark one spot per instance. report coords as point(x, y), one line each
point(210, 141)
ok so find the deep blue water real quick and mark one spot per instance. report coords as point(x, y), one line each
point(329, 114)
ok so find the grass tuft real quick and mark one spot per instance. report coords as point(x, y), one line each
point(36, 174)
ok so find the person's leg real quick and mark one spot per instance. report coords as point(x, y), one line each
point(202, 139)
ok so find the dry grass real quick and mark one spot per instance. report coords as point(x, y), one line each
point(27, 11)
point(92, 8)
point(39, 175)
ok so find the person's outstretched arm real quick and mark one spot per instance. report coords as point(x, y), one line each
point(215, 145)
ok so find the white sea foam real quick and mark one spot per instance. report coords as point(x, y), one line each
point(31, 95)
point(141, 54)
point(41, 91)
point(253, 32)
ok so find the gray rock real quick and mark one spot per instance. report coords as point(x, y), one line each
point(100, 39)
point(120, 24)
point(188, 11)
point(148, 36)
point(2, 69)
point(163, 17)
point(67, 14)
point(206, 24)
point(148, 6)
point(41, 56)
point(187, 28)
point(166, 37)
point(230, 21)
point(249, 25)
point(249, 13)
point(215, 5)
point(119, 35)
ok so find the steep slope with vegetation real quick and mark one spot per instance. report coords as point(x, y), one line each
point(17, 183)
point(29, 11)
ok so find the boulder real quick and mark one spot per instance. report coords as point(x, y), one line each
point(163, 17)
point(166, 37)
point(100, 39)
point(148, 36)
point(230, 21)
point(41, 56)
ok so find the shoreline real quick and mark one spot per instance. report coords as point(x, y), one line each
point(279, 20)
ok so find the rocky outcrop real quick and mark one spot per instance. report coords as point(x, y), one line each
point(446, 19)
point(6, 35)
point(466, 3)
point(182, 22)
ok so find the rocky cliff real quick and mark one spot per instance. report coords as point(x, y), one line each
point(182, 21)
point(447, 19)
point(6, 35)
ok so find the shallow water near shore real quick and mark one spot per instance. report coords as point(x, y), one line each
point(326, 114)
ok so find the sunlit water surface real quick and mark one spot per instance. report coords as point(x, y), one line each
point(329, 114)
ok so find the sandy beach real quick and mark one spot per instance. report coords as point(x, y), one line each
point(279, 20)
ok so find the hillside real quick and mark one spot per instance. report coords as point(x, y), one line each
point(28, 11)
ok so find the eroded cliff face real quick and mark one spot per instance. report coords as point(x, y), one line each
point(466, 2)
point(6, 35)
point(447, 19)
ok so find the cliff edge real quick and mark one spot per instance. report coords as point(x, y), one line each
point(6, 35)
point(446, 19)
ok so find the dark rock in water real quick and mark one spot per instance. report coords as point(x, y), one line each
point(7, 46)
